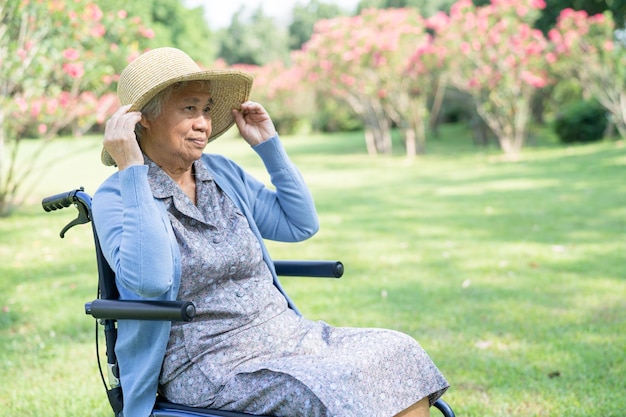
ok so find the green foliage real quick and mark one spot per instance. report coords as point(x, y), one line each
point(253, 40)
point(334, 116)
point(581, 121)
point(553, 8)
point(425, 7)
point(304, 18)
point(59, 61)
point(173, 25)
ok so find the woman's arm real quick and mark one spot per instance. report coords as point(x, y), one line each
point(133, 236)
point(288, 212)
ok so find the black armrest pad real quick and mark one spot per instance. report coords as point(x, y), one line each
point(326, 269)
point(141, 310)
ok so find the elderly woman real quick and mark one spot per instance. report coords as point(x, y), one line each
point(175, 222)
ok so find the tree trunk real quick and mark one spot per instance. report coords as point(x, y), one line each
point(370, 142)
point(435, 111)
point(410, 143)
point(3, 191)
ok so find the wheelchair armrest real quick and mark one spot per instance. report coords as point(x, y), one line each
point(324, 269)
point(141, 310)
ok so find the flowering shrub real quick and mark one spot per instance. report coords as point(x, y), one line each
point(587, 50)
point(60, 72)
point(59, 61)
point(375, 62)
point(494, 54)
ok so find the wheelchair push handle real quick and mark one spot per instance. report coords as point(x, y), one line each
point(58, 201)
point(76, 197)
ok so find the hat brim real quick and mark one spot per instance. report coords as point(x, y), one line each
point(229, 89)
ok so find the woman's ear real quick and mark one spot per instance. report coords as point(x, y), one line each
point(144, 122)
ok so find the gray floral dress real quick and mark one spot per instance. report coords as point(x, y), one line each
point(247, 351)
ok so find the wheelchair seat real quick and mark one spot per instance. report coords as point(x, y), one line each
point(107, 309)
point(164, 408)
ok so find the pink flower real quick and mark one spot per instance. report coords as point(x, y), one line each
point(65, 98)
point(533, 80)
point(94, 12)
point(74, 70)
point(22, 53)
point(347, 80)
point(146, 33)
point(608, 45)
point(21, 104)
point(538, 4)
point(35, 109)
point(98, 31)
point(71, 54)
point(438, 21)
point(42, 128)
point(555, 36)
point(597, 18)
point(52, 106)
point(122, 14)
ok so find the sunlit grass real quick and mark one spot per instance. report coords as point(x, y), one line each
point(512, 275)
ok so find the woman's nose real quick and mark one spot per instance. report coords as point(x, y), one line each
point(202, 123)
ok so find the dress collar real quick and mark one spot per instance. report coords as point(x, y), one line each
point(165, 188)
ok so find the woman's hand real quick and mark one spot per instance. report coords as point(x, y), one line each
point(254, 123)
point(120, 140)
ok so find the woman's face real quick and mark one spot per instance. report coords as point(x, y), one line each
point(178, 135)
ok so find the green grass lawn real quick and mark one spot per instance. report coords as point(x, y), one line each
point(512, 275)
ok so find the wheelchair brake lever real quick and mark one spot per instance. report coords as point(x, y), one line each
point(83, 217)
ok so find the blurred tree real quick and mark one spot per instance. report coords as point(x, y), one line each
point(496, 56)
point(590, 52)
point(304, 18)
point(549, 16)
point(425, 7)
point(551, 12)
point(59, 60)
point(256, 40)
point(172, 25)
point(380, 63)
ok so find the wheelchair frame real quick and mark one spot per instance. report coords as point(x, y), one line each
point(107, 309)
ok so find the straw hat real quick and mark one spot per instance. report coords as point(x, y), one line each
point(159, 68)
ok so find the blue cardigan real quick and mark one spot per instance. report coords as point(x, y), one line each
point(138, 242)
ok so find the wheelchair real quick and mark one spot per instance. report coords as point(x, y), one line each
point(107, 309)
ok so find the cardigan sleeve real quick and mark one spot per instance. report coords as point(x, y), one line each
point(288, 212)
point(285, 212)
point(132, 233)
